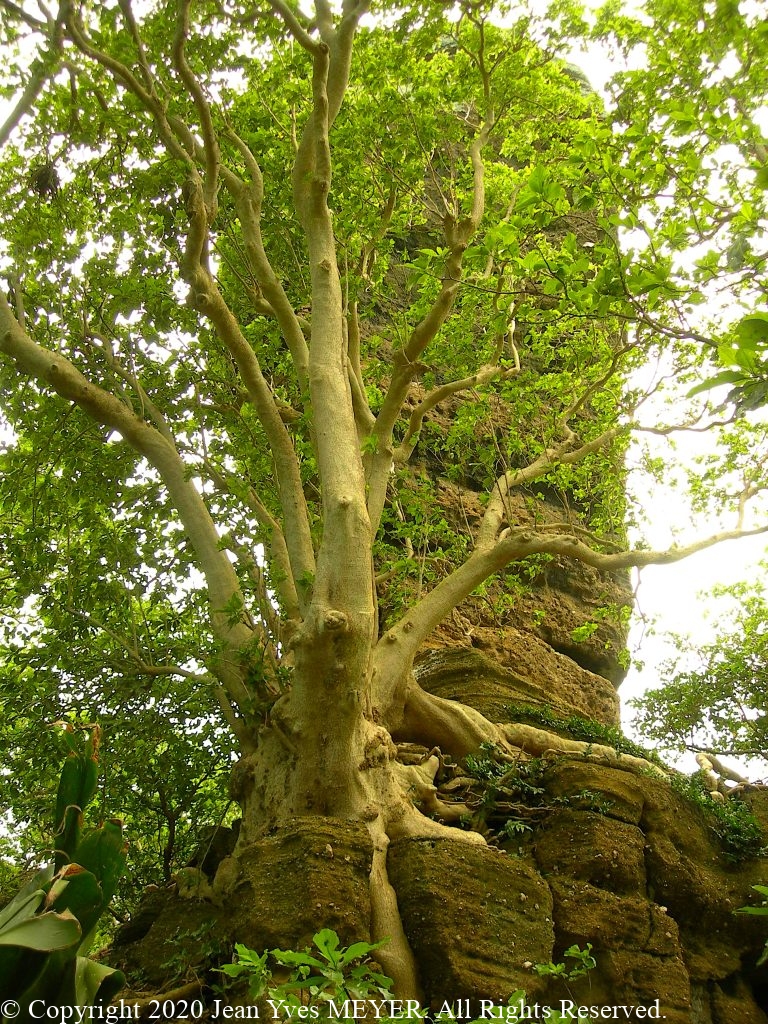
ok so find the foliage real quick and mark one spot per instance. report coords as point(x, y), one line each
point(584, 963)
point(193, 952)
point(339, 973)
point(760, 911)
point(182, 764)
point(739, 831)
point(48, 927)
point(748, 365)
point(713, 695)
point(344, 973)
point(513, 799)
point(252, 330)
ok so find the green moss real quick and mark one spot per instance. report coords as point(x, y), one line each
point(577, 728)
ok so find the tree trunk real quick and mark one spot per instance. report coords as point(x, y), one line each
point(356, 818)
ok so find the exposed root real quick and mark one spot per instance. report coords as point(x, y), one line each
point(455, 728)
point(716, 788)
point(411, 824)
point(539, 742)
point(460, 730)
point(396, 955)
point(418, 781)
point(724, 771)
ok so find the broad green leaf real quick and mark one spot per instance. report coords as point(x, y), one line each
point(724, 377)
point(45, 932)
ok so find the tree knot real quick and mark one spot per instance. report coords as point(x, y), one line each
point(335, 621)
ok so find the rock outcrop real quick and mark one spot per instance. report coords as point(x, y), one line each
point(602, 854)
point(645, 881)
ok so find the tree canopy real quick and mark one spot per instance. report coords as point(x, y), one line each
point(272, 276)
point(714, 695)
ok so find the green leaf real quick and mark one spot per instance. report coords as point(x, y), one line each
point(96, 984)
point(537, 180)
point(82, 896)
point(45, 933)
point(103, 852)
point(724, 377)
point(22, 906)
point(359, 949)
point(327, 941)
point(752, 330)
point(292, 958)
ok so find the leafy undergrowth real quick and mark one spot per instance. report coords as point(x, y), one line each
point(741, 834)
point(332, 981)
point(509, 798)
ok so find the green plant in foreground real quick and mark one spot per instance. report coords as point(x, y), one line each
point(336, 975)
point(585, 962)
point(342, 973)
point(761, 911)
point(47, 928)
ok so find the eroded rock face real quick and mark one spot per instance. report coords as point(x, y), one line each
point(312, 874)
point(645, 882)
point(531, 673)
point(649, 885)
point(471, 940)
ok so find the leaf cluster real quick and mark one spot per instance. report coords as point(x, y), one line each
point(337, 974)
point(713, 695)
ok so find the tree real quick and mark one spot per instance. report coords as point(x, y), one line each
point(272, 276)
point(713, 697)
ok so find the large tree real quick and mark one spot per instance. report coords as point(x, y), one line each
point(272, 276)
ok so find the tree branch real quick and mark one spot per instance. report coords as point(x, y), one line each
point(344, 563)
point(208, 300)
point(133, 28)
point(549, 459)
point(22, 15)
point(483, 376)
point(57, 373)
point(43, 68)
point(285, 588)
point(248, 202)
point(210, 140)
point(409, 632)
point(406, 366)
point(171, 130)
point(205, 295)
point(294, 26)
